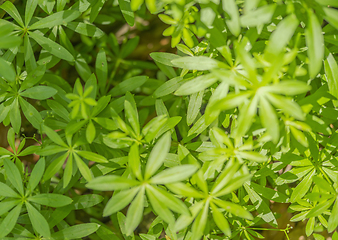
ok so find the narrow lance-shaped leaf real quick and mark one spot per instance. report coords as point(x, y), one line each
point(30, 8)
point(9, 221)
point(135, 212)
point(76, 232)
point(36, 174)
point(39, 92)
point(157, 155)
point(52, 47)
point(333, 220)
point(7, 70)
point(85, 29)
point(38, 221)
point(134, 161)
point(315, 43)
point(101, 68)
point(55, 19)
point(174, 174)
point(14, 175)
point(9, 7)
point(269, 119)
point(159, 206)
point(282, 35)
point(51, 199)
point(119, 201)
point(302, 187)
point(126, 11)
point(331, 73)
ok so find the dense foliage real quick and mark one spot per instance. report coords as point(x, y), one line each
point(201, 140)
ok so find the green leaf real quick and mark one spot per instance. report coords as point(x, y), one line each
point(33, 77)
point(261, 15)
point(128, 85)
point(230, 7)
point(96, 9)
point(232, 100)
point(31, 114)
point(335, 236)
point(269, 193)
point(172, 202)
point(13, 12)
point(164, 58)
point(50, 150)
point(331, 74)
point(135, 4)
point(59, 109)
point(200, 63)
point(253, 156)
point(52, 135)
point(199, 126)
point(39, 92)
point(54, 167)
point(119, 201)
point(91, 156)
point(84, 169)
point(134, 161)
point(220, 220)
point(51, 199)
point(315, 43)
point(7, 71)
point(288, 106)
point(302, 187)
point(320, 208)
point(85, 29)
point(30, 9)
point(261, 207)
point(86, 201)
point(269, 119)
point(233, 209)
point(159, 206)
point(246, 116)
point(52, 47)
point(15, 116)
point(194, 106)
point(9, 221)
point(6, 191)
point(135, 212)
point(174, 174)
point(127, 12)
point(132, 116)
point(289, 87)
point(90, 132)
point(14, 175)
point(101, 69)
point(29, 55)
point(225, 177)
point(157, 155)
point(200, 222)
point(184, 190)
point(282, 35)
point(331, 16)
point(6, 206)
point(76, 231)
point(38, 221)
point(56, 19)
point(111, 182)
point(333, 219)
point(36, 174)
point(196, 85)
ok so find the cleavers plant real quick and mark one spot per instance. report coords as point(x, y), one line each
point(168, 119)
